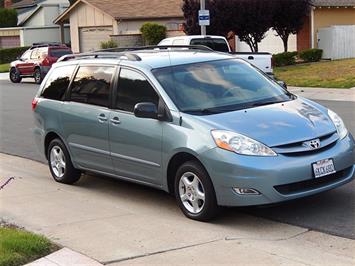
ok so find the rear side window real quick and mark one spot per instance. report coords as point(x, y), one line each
point(134, 88)
point(58, 82)
point(219, 45)
point(59, 52)
point(92, 85)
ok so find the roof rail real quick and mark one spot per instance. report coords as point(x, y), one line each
point(126, 52)
point(91, 55)
point(157, 47)
point(46, 44)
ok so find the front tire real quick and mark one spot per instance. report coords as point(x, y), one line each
point(60, 164)
point(38, 76)
point(15, 76)
point(194, 192)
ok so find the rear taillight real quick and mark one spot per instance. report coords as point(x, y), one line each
point(34, 103)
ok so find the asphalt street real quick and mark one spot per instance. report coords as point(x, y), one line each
point(331, 212)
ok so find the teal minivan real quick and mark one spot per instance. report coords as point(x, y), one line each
point(209, 128)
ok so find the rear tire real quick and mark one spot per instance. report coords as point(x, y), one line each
point(60, 164)
point(38, 76)
point(194, 192)
point(15, 76)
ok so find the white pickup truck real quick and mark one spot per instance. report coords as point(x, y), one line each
point(263, 61)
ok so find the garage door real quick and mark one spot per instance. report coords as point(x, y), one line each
point(9, 41)
point(91, 37)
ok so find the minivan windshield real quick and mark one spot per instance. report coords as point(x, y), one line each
point(219, 86)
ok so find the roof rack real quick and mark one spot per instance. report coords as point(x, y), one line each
point(157, 48)
point(107, 55)
point(127, 52)
point(46, 44)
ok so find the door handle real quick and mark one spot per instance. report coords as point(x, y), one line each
point(115, 120)
point(102, 118)
point(251, 57)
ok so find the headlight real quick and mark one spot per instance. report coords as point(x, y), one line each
point(338, 123)
point(240, 144)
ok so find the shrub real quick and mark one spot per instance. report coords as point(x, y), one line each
point(284, 59)
point(8, 18)
point(153, 33)
point(10, 54)
point(108, 44)
point(311, 55)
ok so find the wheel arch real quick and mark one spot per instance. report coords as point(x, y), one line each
point(175, 162)
point(51, 135)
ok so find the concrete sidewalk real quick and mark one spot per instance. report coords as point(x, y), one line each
point(325, 93)
point(115, 222)
point(65, 257)
point(4, 76)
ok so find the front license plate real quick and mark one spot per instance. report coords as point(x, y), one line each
point(323, 168)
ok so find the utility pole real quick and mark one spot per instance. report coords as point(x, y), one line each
point(203, 7)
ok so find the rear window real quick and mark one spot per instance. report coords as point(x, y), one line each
point(216, 44)
point(59, 52)
point(57, 83)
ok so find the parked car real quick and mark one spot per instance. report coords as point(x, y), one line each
point(263, 61)
point(37, 61)
point(205, 126)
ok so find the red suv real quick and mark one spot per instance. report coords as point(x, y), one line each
point(37, 61)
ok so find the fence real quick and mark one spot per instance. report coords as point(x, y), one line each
point(337, 42)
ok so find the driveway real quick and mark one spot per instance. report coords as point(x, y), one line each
point(118, 223)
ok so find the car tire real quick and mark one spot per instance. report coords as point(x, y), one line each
point(38, 76)
point(60, 164)
point(15, 76)
point(194, 192)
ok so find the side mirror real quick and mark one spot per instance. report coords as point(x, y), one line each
point(282, 84)
point(19, 58)
point(146, 110)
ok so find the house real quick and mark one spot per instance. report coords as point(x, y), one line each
point(35, 23)
point(95, 21)
point(323, 14)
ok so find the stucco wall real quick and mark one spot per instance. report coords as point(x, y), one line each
point(28, 35)
point(87, 16)
point(325, 17)
point(132, 27)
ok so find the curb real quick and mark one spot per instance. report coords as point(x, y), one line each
point(65, 257)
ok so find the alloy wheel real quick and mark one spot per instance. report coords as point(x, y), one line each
point(57, 159)
point(192, 192)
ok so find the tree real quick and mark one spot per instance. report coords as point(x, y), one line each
point(8, 18)
point(289, 17)
point(153, 33)
point(220, 14)
point(251, 20)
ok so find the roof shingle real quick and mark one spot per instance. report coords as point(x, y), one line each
point(139, 9)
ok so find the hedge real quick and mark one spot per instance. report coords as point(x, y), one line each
point(311, 55)
point(8, 18)
point(153, 33)
point(10, 54)
point(284, 59)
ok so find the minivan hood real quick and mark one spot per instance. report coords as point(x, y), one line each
point(276, 124)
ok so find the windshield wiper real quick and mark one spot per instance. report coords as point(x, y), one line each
point(265, 103)
point(204, 111)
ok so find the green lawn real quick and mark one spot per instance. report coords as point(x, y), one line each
point(18, 247)
point(4, 68)
point(330, 74)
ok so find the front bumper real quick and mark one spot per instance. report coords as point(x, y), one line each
point(279, 178)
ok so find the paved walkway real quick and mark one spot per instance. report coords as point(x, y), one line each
point(65, 257)
point(325, 94)
point(116, 223)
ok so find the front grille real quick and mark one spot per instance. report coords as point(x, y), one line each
point(312, 183)
point(297, 148)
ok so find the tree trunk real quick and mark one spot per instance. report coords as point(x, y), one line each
point(285, 41)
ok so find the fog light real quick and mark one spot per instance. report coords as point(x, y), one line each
point(246, 191)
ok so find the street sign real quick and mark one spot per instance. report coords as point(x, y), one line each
point(204, 17)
